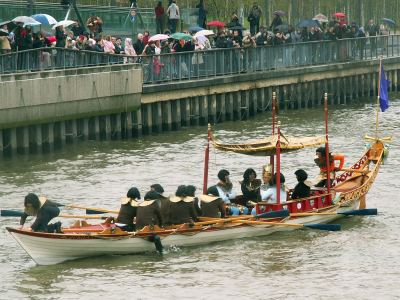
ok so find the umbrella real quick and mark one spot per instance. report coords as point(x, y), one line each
point(26, 20)
point(158, 37)
point(181, 36)
point(64, 23)
point(279, 13)
point(3, 32)
point(45, 19)
point(307, 23)
point(388, 21)
point(321, 18)
point(283, 27)
point(195, 28)
point(204, 32)
point(216, 23)
point(339, 15)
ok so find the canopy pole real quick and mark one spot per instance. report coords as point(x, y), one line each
point(328, 164)
point(278, 166)
point(206, 159)
point(377, 100)
point(271, 158)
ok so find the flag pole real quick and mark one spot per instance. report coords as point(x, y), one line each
point(206, 159)
point(377, 100)
point(327, 156)
point(278, 166)
point(271, 158)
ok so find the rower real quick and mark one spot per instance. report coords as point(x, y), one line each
point(191, 192)
point(148, 211)
point(181, 208)
point(128, 209)
point(212, 205)
point(320, 160)
point(162, 200)
point(44, 210)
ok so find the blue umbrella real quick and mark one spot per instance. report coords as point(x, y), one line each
point(307, 23)
point(195, 28)
point(388, 21)
point(45, 19)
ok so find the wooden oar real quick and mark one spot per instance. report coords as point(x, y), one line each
point(358, 212)
point(18, 213)
point(91, 210)
point(330, 227)
point(270, 215)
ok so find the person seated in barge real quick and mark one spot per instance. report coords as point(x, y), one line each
point(148, 211)
point(270, 195)
point(191, 192)
point(128, 209)
point(250, 186)
point(302, 188)
point(44, 210)
point(225, 187)
point(212, 205)
point(162, 200)
point(181, 209)
point(320, 160)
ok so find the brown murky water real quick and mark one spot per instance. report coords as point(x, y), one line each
point(359, 262)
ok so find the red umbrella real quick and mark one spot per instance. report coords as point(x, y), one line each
point(216, 23)
point(339, 15)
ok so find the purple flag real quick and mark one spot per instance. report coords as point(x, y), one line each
point(384, 91)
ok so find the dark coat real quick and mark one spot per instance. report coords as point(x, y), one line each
point(213, 209)
point(148, 215)
point(301, 190)
point(126, 214)
point(46, 212)
point(251, 192)
point(181, 212)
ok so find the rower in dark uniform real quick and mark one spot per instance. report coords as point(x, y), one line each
point(191, 192)
point(44, 210)
point(302, 189)
point(128, 210)
point(212, 205)
point(181, 209)
point(148, 212)
point(162, 200)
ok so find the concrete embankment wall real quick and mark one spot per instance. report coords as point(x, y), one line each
point(41, 110)
point(237, 97)
point(38, 110)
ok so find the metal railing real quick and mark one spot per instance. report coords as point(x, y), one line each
point(209, 63)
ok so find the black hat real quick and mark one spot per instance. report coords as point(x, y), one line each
point(301, 175)
point(321, 150)
point(222, 174)
point(157, 188)
point(181, 191)
point(151, 195)
point(133, 193)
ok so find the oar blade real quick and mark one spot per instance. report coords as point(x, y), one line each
point(94, 212)
point(274, 214)
point(361, 212)
point(11, 213)
point(329, 227)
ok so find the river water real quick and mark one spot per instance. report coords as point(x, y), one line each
point(359, 262)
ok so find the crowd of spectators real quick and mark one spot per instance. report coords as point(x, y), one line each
point(141, 50)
